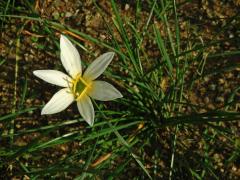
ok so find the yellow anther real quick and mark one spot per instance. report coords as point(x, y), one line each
point(79, 87)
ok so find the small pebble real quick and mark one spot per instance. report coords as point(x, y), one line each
point(219, 99)
point(127, 7)
point(206, 79)
point(221, 81)
point(228, 90)
point(206, 100)
point(231, 35)
point(212, 87)
point(211, 106)
point(68, 14)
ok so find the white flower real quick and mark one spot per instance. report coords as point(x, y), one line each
point(78, 86)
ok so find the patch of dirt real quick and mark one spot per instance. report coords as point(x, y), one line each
point(200, 21)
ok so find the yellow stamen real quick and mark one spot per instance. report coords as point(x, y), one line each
point(79, 87)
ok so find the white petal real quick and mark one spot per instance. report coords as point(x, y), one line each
point(86, 109)
point(98, 66)
point(70, 57)
point(60, 101)
point(54, 77)
point(104, 91)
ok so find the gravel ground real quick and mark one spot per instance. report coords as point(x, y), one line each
point(207, 19)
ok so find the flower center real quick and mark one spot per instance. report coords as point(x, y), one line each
point(79, 87)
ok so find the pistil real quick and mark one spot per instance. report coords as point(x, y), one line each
point(79, 87)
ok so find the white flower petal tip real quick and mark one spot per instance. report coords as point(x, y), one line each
point(98, 66)
point(54, 77)
point(104, 91)
point(60, 101)
point(70, 57)
point(86, 109)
